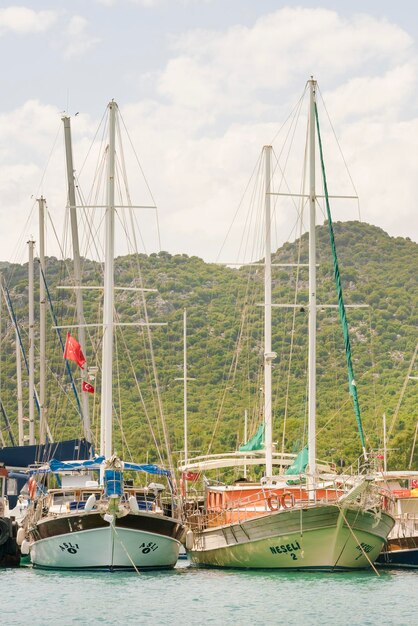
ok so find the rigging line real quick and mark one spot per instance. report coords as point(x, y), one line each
point(232, 371)
point(357, 541)
point(401, 395)
point(291, 114)
point(6, 294)
point(251, 224)
point(148, 333)
point(64, 261)
point(93, 245)
point(61, 342)
point(256, 166)
point(291, 133)
point(291, 138)
point(19, 244)
point(244, 243)
point(343, 404)
point(292, 337)
point(104, 118)
point(228, 376)
point(123, 222)
point(137, 158)
point(58, 133)
point(7, 422)
point(124, 548)
point(143, 175)
point(125, 180)
point(341, 152)
point(142, 400)
point(293, 126)
point(148, 365)
point(300, 217)
point(372, 358)
point(411, 458)
point(89, 235)
point(119, 416)
point(344, 323)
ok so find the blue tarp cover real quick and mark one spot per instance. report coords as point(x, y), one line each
point(150, 469)
point(23, 456)
point(63, 466)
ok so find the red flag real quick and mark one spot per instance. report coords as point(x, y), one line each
point(192, 476)
point(73, 352)
point(87, 387)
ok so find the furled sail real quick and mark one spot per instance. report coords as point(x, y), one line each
point(256, 442)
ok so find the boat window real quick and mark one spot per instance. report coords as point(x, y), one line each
point(85, 495)
point(63, 497)
point(11, 487)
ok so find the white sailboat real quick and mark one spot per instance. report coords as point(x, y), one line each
point(92, 519)
point(312, 520)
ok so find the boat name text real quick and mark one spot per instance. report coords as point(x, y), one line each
point(364, 548)
point(71, 548)
point(147, 547)
point(290, 548)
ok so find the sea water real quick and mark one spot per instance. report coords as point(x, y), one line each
point(191, 596)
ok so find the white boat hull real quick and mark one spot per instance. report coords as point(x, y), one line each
point(317, 538)
point(106, 546)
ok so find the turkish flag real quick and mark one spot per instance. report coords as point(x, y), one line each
point(192, 476)
point(87, 387)
point(73, 352)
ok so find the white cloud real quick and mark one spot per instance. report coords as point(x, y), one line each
point(78, 39)
point(227, 93)
point(278, 51)
point(22, 20)
point(364, 96)
point(223, 95)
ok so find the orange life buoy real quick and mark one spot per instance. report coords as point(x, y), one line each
point(284, 500)
point(273, 502)
point(32, 487)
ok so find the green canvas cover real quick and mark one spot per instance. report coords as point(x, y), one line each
point(299, 464)
point(256, 442)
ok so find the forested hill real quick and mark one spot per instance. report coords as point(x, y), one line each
point(225, 347)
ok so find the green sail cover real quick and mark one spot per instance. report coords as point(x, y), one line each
point(343, 317)
point(256, 442)
point(299, 464)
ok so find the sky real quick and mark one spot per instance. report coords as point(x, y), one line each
point(202, 85)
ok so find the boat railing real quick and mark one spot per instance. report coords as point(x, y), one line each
point(218, 506)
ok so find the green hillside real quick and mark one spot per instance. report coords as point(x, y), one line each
point(225, 347)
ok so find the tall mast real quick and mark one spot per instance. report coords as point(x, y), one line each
point(42, 323)
point(268, 354)
point(31, 347)
point(108, 323)
point(186, 453)
point(312, 289)
point(77, 267)
point(21, 435)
